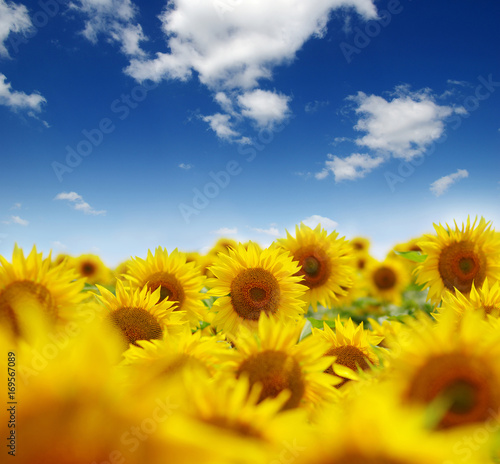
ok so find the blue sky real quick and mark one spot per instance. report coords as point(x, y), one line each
point(188, 120)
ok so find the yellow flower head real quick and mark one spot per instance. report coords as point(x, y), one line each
point(351, 347)
point(250, 282)
point(275, 359)
point(454, 366)
point(325, 261)
point(178, 281)
point(458, 258)
point(92, 268)
point(387, 280)
point(32, 281)
point(139, 314)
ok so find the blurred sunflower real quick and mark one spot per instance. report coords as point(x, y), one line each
point(275, 359)
point(223, 245)
point(250, 282)
point(383, 433)
point(451, 366)
point(32, 281)
point(386, 280)
point(139, 314)
point(179, 282)
point(152, 360)
point(325, 261)
point(226, 422)
point(486, 299)
point(92, 268)
point(351, 346)
point(360, 245)
point(457, 258)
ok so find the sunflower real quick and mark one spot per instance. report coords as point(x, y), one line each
point(139, 314)
point(178, 281)
point(152, 360)
point(92, 268)
point(457, 258)
point(225, 421)
point(223, 245)
point(373, 428)
point(250, 282)
point(274, 358)
point(351, 347)
point(360, 245)
point(325, 261)
point(486, 299)
point(386, 280)
point(451, 366)
point(32, 281)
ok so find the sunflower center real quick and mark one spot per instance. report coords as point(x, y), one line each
point(24, 293)
point(384, 278)
point(170, 287)
point(87, 269)
point(315, 265)
point(136, 324)
point(463, 383)
point(460, 264)
point(253, 291)
point(351, 458)
point(348, 356)
point(276, 371)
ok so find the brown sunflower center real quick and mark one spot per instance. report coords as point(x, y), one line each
point(351, 458)
point(315, 265)
point(276, 371)
point(384, 278)
point(460, 264)
point(88, 269)
point(253, 291)
point(136, 324)
point(20, 294)
point(171, 288)
point(464, 384)
point(348, 356)
point(358, 246)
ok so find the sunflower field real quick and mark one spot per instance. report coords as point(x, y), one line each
point(309, 351)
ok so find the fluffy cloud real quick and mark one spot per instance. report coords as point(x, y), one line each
point(16, 220)
point(19, 100)
point(404, 126)
point(352, 167)
point(13, 18)
point(265, 108)
point(444, 183)
point(185, 166)
point(236, 46)
point(114, 18)
point(221, 125)
point(326, 223)
point(78, 203)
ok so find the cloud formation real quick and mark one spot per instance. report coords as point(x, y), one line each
point(326, 223)
point(16, 100)
point(16, 220)
point(352, 167)
point(13, 18)
point(78, 203)
point(441, 185)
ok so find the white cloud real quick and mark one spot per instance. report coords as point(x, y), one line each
point(58, 244)
point(226, 231)
point(315, 105)
point(352, 167)
point(19, 100)
point(185, 166)
point(404, 126)
point(13, 18)
point(221, 125)
point(114, 18)
point(235, 46)
point(78, 203)
point(16, 220)
point(16, 206)
point(326, 223)
point(264, 107)
point(273, 231)
point(444, 183)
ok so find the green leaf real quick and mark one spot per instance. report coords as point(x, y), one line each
point(414, 256)
point(318, 323)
